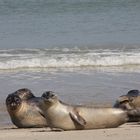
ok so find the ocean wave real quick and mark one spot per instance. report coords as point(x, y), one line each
point(66, 58)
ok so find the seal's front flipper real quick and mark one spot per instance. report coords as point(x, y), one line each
point(77, 118)
point(41, 113)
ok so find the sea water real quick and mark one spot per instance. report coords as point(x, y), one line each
point(69, 23)
point(87, 51)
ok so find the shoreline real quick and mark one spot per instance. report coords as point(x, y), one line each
point(129, 131)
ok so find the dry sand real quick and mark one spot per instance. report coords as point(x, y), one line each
point(127, 131)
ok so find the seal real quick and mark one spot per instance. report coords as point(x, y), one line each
point(24, 109)
point(131, 103)
point(73, 117)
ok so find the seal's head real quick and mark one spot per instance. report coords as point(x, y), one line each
point(24, 93)
point(134, 98)
point(49, 97)
point(128, 101)
point(24, 110)
point(13, 102)
point(133, 93)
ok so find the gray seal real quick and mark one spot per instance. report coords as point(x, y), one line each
point(73, 117)
point(24, 109)
point(131, 103)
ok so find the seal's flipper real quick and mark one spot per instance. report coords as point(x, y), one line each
point(123, 99)
point(77, 118)
point(57, 129)
point(41, 113)
point(121, 102)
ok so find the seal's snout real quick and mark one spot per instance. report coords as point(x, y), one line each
point(48, 94)
point(13, 104)
point(17, 100)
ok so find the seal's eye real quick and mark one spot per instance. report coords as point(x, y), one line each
point(9, 99)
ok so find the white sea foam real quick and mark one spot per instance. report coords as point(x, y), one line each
point(67, 58)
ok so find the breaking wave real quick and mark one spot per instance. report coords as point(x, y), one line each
point(66, 58)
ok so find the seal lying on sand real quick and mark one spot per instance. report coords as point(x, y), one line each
point(24, 109)
point(67, 117)
point(131, 103)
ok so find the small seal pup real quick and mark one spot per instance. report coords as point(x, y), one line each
point(131, 103)
point(24, 109)
point(69, 117)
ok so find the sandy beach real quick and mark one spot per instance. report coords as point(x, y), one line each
point(129, 131)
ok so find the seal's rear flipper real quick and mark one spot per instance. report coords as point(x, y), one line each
point(77, 118)
point(122, 102)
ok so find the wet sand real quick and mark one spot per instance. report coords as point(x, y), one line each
point(127, 131)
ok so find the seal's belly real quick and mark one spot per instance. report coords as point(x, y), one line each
point(60, 118)
point(28, 119)
point(34, 121)
point(102, 118)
